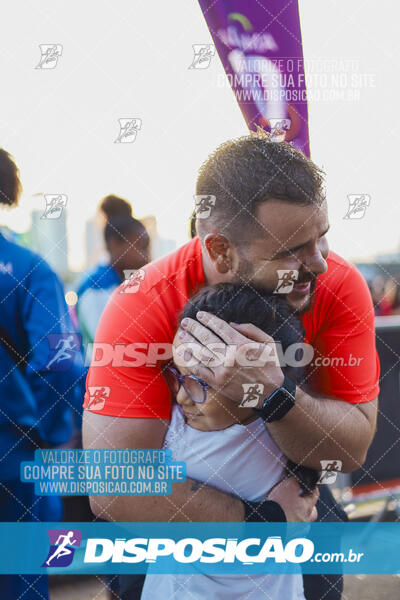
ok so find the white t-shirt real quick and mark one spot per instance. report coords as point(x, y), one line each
point(242, 460)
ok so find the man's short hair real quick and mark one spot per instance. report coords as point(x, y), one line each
point(246, 171)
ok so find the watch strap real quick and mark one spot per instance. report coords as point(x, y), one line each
point(267, 511)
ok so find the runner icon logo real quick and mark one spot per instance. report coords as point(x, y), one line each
point(329, 471)
point(97, 396)
point(63, 543)
point(252, 394)
point(133, 280)
point(50, 54)
point(63, 347)
point(358, 204)
point(286, 280)
point(55, 204)
point(279, 127)
point(203, 205)
point(203, 54)
point(128, 129)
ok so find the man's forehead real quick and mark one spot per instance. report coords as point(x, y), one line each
point(288, 224)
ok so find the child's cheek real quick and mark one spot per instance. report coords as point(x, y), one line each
point(212, 413)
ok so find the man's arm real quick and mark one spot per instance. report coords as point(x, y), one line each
point(190, 500)
point(325, 428)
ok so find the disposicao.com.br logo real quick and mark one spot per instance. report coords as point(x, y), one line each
point(189, 550)
point(105, 552)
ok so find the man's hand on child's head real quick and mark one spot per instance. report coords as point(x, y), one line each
point(245, 355)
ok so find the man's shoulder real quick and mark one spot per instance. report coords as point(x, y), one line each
point(182, 268)
point(155, 295)
point(340, 272)
point(342, 285)
point(338, 263)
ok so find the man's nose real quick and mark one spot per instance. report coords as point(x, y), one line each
point(316, 262)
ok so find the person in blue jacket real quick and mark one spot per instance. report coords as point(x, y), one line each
point(41, 380)
point(127, 243)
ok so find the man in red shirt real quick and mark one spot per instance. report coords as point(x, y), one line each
point(264, 214)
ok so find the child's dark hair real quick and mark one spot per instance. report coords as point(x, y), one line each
point(240, 304)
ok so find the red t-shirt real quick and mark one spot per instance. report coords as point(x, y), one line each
point(340, 327)
point(126, 380)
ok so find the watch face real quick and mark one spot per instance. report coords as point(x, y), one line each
point(278, 397)
point(277, 404)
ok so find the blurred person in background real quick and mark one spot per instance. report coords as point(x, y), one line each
point(127, 243)
point(41, 380)
point(377, 289)
point(389, 302)
point(395, 309)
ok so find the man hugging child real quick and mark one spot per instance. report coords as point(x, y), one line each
point(225, 445)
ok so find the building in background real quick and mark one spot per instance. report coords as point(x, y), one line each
point(49, 239)
point(94, 242)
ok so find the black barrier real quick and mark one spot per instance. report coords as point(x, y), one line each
point(383, 458)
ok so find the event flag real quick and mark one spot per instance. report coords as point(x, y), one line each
point(259, 44)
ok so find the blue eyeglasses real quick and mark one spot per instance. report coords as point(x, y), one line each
point(195, 387)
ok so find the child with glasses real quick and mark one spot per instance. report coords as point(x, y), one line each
point(226, 445)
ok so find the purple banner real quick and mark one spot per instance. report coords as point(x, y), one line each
point(259, 44)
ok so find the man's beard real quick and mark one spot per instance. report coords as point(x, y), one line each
point(307, 305)
point(244, 274)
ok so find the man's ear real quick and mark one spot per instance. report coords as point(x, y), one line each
point(220, 252)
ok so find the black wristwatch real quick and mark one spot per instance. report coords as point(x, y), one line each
point(278, 404)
